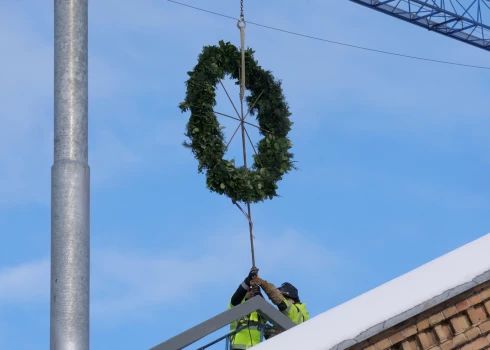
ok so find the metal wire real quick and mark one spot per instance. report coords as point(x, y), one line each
point(337, 42)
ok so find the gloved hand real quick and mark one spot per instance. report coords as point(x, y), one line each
point(251, 275)
point(256, 290)
point(272, 292)
point(254, 272)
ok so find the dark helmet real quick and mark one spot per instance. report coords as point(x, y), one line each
point(287, 289)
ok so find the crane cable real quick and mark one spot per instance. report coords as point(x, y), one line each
point(338, 42)
point(241, 26)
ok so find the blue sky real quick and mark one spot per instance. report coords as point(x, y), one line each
point(394, 160)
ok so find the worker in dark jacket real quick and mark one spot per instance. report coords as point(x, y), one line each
point(249, 336)
point(286, 298)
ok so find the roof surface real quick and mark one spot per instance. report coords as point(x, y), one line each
point(391, 303)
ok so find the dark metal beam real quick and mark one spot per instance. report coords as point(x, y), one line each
point(198, 332)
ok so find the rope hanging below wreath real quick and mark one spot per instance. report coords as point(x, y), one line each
point(273, 158)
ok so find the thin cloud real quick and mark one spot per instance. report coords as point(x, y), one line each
point(28, 282)
point(111, 159)
point(353, 178)
point(124, 282)
point(126, 68)
point(173, 277)
point(25, 96)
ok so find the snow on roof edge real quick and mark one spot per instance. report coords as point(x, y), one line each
point(484, 277)
point(382, 308)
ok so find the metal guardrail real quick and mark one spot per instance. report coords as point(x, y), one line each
point(264, 329)
point(192, 335)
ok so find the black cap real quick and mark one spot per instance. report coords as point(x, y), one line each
point(290, 291)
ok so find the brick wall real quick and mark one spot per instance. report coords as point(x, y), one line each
point(462, 324)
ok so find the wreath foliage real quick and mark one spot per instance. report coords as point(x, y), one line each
point(206, 136)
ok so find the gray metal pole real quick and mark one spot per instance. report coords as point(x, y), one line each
point(70, 180)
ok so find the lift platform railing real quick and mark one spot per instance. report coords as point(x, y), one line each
point(266, 310)
point(266, 331)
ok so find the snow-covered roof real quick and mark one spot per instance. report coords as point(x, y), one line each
point(391, 303)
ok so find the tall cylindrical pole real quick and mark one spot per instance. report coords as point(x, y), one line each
point(70, 180)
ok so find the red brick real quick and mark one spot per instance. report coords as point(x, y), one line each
point(427, 339)
point(485, 327)
point(472, 333)
point(446, 345)
point(424, 324)
point(487, 306)
point(370, 347)
point(488, 337)
point(477, 344)
point(443, 332)
point(460, 323)
point(437, 318)
point(409, 331)
point(480, 343)
point(475, 299)
point(477, 314)
point(450, 311)
point(383, 344)
point(410, 345)
point(396, 338)
point(485, 294)
point(459, 339)
point(462, 305)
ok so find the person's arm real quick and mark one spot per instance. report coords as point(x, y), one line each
point(286, 307)
point(272, 292)
point(242, 289)
point(292, 312)
point(239, 294)
point(283, 305)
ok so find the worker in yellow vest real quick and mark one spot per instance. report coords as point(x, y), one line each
point(250, 335)
point(286, 298)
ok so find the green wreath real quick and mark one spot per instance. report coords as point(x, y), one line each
point(273, 158)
